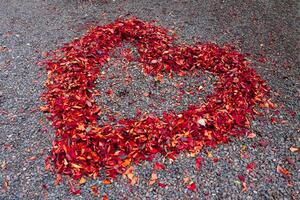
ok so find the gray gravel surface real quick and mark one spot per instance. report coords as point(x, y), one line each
point(268, 28)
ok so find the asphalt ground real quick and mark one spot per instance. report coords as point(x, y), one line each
point(268, 29)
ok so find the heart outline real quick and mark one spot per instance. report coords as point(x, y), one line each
point(82, 147)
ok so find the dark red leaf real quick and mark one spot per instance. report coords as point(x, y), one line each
point(242, 178)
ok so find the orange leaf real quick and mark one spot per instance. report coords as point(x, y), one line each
point(126, 162)
point(106, 182)
point(209, 154)
point(129, 170)
point(282, 170)
point(44, 108)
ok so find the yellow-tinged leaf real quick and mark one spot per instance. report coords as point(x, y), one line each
point(129, 170)
point(209, 154)
point(130, 176)
point(76, 166)
point(81, 127)
point(244, 147)
point(82, 181)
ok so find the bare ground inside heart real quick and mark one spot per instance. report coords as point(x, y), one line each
point(126, 92)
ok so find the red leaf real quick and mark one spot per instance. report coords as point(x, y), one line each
point(242, 178)
point(199, 162)
point(162, 185)
point(250, 166)
point(192, 186)
point(159, 166)
point(94, 189)
point(105, 197)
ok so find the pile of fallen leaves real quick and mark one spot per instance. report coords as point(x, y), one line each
point(83, 148)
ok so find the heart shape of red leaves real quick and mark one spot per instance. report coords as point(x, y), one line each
point(82, 147)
